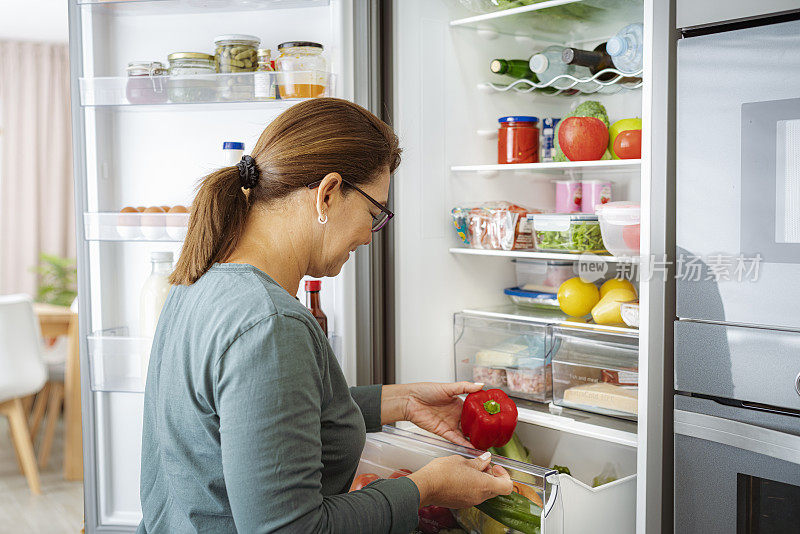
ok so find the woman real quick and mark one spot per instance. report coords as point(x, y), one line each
point(249, 424)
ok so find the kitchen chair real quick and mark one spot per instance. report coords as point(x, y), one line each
point(50, 400)
point(22, 373)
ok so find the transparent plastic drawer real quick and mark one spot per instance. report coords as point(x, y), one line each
point(399, 452)
point(504, 354)
point(118, 362)
point(596, 371)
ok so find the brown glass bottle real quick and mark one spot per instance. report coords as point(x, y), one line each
point(313, 304)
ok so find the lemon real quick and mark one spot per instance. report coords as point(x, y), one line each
point(607, 311)
point(616, 283)
point(577, 298)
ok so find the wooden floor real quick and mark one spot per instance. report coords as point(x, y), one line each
point(59, 509)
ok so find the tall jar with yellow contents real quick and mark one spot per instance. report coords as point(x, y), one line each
point(303, 70)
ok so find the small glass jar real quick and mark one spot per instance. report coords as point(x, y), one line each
point(518, 139)
point(236, 55)
point(303, 70)
point(264, 80)
point(192, 77)
point(147, 82)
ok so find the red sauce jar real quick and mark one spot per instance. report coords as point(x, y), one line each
point(518, 139)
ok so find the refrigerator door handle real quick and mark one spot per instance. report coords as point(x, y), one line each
point(739, 435)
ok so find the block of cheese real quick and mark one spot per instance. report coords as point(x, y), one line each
point(604, 395)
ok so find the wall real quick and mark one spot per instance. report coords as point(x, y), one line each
point(34, 20)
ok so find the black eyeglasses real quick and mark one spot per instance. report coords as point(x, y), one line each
point(379, 221)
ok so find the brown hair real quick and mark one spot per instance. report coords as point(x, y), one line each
point(302, 145)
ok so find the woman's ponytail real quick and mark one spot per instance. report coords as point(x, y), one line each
point(216, 223)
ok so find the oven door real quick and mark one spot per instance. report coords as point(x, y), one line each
point(738, 175)
point(733, 475)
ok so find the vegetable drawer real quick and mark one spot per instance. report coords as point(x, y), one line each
point(570, 507)
point(597, 372)
point(504, 354)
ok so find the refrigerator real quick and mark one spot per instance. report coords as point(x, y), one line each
point(416, 305)
point(737, 337)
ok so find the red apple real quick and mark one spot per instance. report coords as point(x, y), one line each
point(583, 138)
point(627, 145)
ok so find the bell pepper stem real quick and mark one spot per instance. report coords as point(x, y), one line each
point(492, 406)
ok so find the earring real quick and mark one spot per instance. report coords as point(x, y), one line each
point(322, 219)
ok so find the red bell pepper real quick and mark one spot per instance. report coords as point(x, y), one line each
point(488, 418)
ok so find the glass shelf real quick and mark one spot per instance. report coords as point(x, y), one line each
point(166, 7)
point(158, 92)
point(552, 166)
point(555, 317)
point(135, 226)
point(534, 255)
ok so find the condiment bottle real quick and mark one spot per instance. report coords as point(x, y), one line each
point(313, 303)
point(232, 152)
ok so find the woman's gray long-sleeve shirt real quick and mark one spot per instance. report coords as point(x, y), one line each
point(249, 425)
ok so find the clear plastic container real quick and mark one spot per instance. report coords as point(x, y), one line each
point(546, 277)
point(620, 226)
point(567, 232)
point(192, 77)
point(532, 299)
point(596, 372)
point(630, 313)
point(302, 69)
point(501, 353)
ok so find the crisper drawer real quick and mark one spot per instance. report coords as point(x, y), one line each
point(504, 354)
point(597, 372)
point(569, 506)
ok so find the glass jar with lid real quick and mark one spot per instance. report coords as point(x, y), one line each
point(236, 56)
point(192, 77)
point(303, 70)
point(147, 82)
point(264, 80)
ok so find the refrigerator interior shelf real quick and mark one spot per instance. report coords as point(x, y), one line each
point(167, 7)
point(551, 167)
point(551, 20)
point(595, 426)
point(618, 83)
point(203, 89)
point(509, 311)
point(532, 254)
point(100, 226)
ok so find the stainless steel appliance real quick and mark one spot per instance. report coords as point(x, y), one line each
point(737, 338)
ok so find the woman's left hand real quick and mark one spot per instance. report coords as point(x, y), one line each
point(436, 407)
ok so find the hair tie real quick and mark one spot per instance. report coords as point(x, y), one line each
point(248, 172)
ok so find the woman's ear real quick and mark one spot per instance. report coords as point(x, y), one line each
point(327, 191)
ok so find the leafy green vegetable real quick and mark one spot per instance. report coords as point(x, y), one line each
point(580, 237)
point(514, 449)
point(590, 108)
point(600, 480)
point(514, 511)
point(562, 469)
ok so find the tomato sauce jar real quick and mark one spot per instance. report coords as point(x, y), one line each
point(518, 139)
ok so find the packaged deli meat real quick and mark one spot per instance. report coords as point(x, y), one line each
point(494, 225)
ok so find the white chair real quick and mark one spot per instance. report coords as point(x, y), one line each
point(22, 373)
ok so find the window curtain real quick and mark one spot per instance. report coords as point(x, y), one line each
point(36, 198)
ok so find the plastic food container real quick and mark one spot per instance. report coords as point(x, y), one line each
point(546, 277)
point(494, 226)
point(564, 232)
point(532, 299)
point(619, 222)
point(302, 68)
point(502, 352)
point(596, 372)
point(595, 193)
point(147, 82)
point(191, 77)
point(568, 196)
point(518, 139)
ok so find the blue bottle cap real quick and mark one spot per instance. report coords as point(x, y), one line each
point(518, 118)
point(232, 145)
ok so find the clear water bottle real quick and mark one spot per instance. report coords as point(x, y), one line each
point(548, 64)
point(627, 48)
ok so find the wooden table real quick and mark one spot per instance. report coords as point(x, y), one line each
point(59, 321)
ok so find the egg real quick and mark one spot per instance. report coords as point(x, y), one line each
point(177, 222)
point(140, 209)
point(153, 222)
point(165, 208)
point(128, 223)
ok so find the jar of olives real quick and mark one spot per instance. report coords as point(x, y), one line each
point(192, 77)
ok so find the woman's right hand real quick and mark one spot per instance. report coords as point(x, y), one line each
point(458, 482)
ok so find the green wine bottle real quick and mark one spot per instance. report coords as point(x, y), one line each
point(518, 69)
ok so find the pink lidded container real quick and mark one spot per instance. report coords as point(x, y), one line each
point(568, 196)
point(595, 193)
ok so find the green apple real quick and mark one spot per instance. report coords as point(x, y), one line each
point(617, 128)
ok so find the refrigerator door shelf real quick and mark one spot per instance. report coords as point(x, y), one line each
point(117, 362)
point(135, 226)
point(158, 91)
